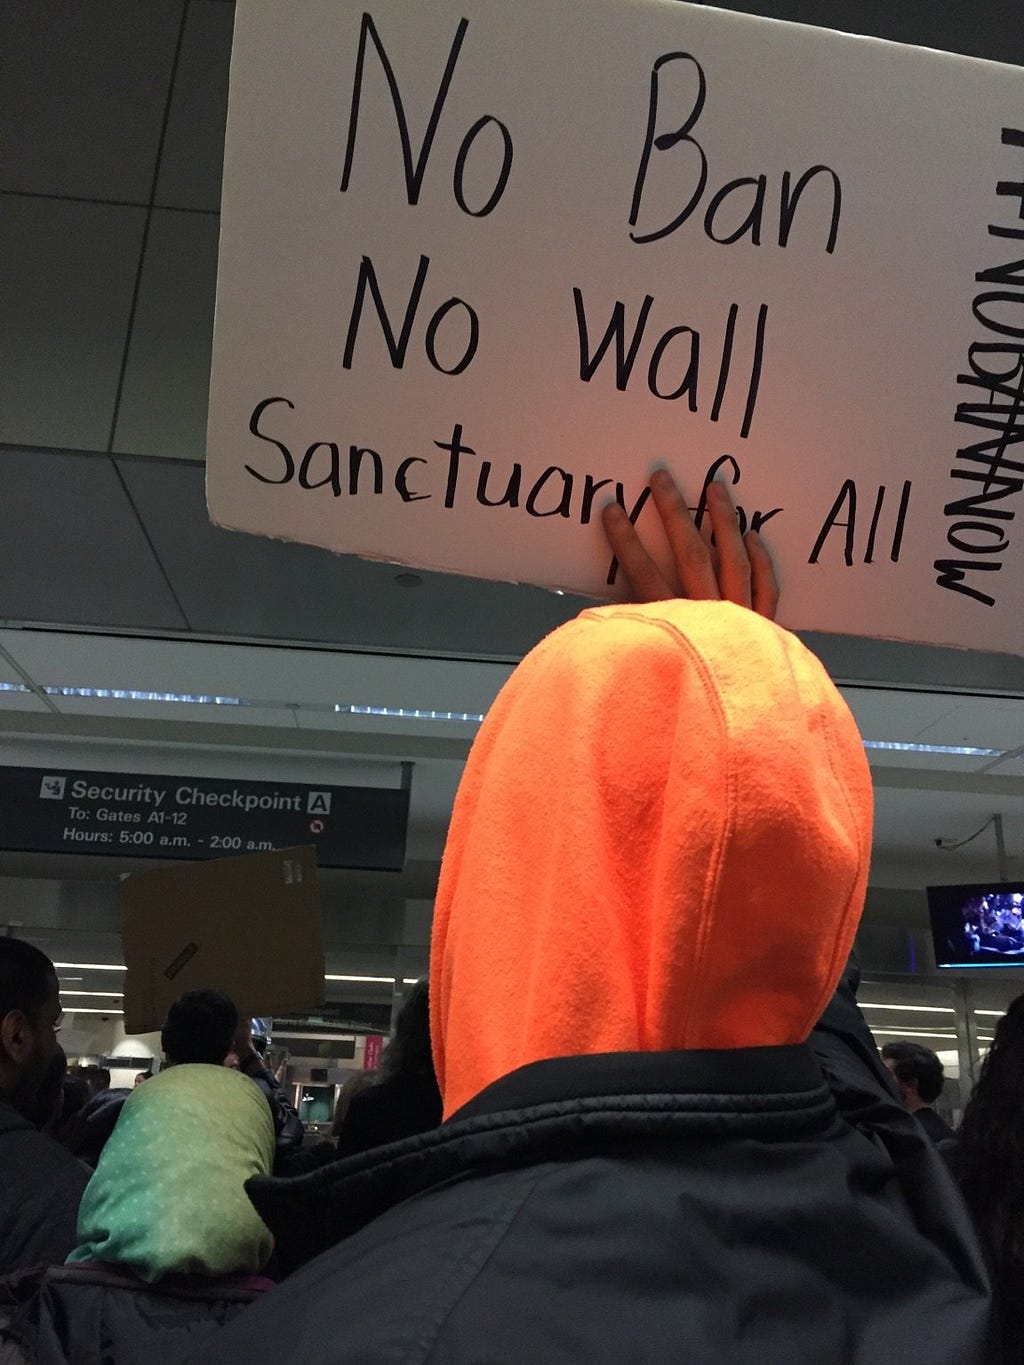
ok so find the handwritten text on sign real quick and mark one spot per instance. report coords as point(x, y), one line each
point(482, 271)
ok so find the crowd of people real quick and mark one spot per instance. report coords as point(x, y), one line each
point(637, 1115)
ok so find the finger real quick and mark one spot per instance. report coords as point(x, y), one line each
point(643, 577)
point(707, 535)
point(691, 556)
point(764, 584)
point(734, 576)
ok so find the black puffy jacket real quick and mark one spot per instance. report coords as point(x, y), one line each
point(766, 1206)
point(92, 1314)
point(41, 1186)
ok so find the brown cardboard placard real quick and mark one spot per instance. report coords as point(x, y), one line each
point(248, 926)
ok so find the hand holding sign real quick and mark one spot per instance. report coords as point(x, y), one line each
point(737, 568)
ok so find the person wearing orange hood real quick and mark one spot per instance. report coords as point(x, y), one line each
point(667, 1134)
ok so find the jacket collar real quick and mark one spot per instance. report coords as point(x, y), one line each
point(567, 1106)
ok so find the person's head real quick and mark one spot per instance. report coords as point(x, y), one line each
point(408, 1053)
point(358, 1081)
point(918, 1073)
point(660, 841)
point(97, 1078)
point(178, 1205)
point(29, 1020)
point(200, 1027)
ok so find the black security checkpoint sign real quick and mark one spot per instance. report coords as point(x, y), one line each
point(63, 810)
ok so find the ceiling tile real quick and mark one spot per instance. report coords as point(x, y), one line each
point(167, 380)
point(22, 701)
point(193, 151)
point(65, 294)
point(984, 28)
point(1009, 767)
point(884, 713)
point(234, 584)
point(992, 722)
point(83, 93)
point(882, 759)
point(71, 548)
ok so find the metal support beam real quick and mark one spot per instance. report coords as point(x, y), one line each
point(967, 1045)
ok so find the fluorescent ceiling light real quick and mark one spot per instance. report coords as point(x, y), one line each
point(110, 995)
point(407, 713)
point(88, 1009)
point(383, 980)
point(922, 1009)
point(404, 713)
point(996, 1014)
point(132, 694)
point(210, 699)
point(963, 750)
point(95, 966)
point(913, 1033)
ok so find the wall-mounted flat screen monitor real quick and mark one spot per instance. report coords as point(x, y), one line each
point(979, 925)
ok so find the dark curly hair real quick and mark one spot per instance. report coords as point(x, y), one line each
point(989, 1158)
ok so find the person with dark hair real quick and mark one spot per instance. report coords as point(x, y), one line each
point(920, 1077)
point(352, 1086)
point(988, 1162)
point(199, 1027)
point(97, 1078)
point(404, 1099)
point(41, 1184)
point(667, 1132)
point(204, 1026)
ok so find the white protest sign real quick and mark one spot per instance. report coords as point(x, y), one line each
point(484, 267)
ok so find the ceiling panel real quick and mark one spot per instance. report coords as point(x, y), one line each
point(984, 28)
point(1010, 767)
point(82, 107)
point(71, 544)
point(66, 281)
point(190, 165)
point(995, 722)
point(23, 701)
point(167, 379)
point(921, 817)
point(882, 759)
point(887, 714)
point(234, 584)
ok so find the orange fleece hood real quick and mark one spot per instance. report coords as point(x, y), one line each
point(661, 840)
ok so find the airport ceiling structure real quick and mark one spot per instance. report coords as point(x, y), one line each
point(124, 614)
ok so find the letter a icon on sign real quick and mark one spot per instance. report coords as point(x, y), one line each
point(318, 803)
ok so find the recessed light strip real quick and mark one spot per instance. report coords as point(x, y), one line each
point(405, 713)
point(914, 1033)
point(964, 751)
point(119, 967)
point(107, 995)
point(917, 1009)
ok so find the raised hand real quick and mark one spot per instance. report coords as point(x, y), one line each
point(737, 568)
